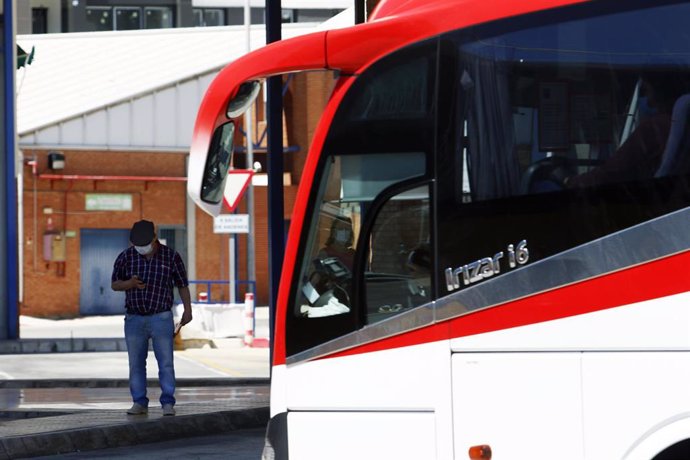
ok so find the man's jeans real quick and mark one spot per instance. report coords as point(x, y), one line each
point(138, 330)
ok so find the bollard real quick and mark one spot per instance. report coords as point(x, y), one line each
point(248, 319)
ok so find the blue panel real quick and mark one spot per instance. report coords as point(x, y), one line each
point(99, 249)
point(9, 253)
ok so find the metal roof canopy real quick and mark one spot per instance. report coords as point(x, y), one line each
point(285, 4)
point(136, 90)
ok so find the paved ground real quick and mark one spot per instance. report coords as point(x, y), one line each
point(211, 363)
point(202, 357)
point(42, 401)
point(238, 445)
point(55, 403)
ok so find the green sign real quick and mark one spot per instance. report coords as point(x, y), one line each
point(108, 202)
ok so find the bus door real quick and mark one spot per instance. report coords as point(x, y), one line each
point(365, 274)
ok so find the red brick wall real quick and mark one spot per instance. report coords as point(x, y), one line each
point(46, 291)
point(212, 249)
point(211, 255)
point(307, 97)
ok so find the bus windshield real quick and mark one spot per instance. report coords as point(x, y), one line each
point(381, 172)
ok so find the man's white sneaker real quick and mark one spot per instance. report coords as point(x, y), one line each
point(168, 409)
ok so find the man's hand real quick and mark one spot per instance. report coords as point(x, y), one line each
point(186, 316)
point(186, 301)
point(125, 285)
point(136, 283)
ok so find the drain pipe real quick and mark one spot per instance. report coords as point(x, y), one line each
point(118, 178)
point(34, 167)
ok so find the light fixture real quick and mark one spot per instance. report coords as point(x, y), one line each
point(56, 160)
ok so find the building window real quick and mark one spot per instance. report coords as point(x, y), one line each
point(288, 16)
point(127, 18)
point(209, 17)
point(158, 17)
point(314, 15)
point(39, 20)
point(99, 18)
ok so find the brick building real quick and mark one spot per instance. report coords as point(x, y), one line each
point(105, 121)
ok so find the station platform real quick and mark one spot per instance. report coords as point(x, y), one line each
point(83, 415)
point(55, 400)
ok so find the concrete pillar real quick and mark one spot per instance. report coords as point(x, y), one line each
point(185, 15)
point(74, 16)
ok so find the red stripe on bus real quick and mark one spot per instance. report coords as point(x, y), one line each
point(649, 281)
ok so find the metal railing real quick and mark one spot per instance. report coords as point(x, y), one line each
point(209, 283)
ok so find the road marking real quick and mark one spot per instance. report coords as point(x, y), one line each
point(208, 365)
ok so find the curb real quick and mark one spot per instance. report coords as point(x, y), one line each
point(124, 383)
point(100, 344)
point(132, 433)
point(72, 345)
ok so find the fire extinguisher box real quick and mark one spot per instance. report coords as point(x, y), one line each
point(54, 248)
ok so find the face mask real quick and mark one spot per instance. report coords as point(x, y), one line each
point(144, 250)
point(342, 236)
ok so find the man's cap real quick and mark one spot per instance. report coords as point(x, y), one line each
point(142, 233)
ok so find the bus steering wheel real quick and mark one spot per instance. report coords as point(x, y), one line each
point(546, 175)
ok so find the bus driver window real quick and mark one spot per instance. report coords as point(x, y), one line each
point(326, 278)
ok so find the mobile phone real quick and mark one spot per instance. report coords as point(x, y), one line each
point(178, 326)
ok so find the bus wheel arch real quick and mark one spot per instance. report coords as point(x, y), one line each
point(678, 450)
point(668, 440)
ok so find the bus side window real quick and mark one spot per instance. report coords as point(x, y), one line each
point(554, 136)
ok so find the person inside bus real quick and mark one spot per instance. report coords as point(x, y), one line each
point(326, 293)
point(640, 155)
point(339, 242)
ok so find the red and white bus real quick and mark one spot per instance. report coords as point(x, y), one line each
point(515, 177)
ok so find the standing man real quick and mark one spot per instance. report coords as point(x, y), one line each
point(147, 272)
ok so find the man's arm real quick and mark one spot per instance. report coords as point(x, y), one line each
point(180, 278)
point(187, 303)
point(124, 285)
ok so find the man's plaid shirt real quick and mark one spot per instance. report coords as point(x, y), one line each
point(160, 274)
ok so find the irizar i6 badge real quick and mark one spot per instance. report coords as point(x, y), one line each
point(486, 267)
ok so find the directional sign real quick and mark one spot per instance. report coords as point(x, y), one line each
point(231, 223)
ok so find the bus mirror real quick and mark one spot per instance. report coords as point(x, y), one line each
point(245, 97)
point(218, 163)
